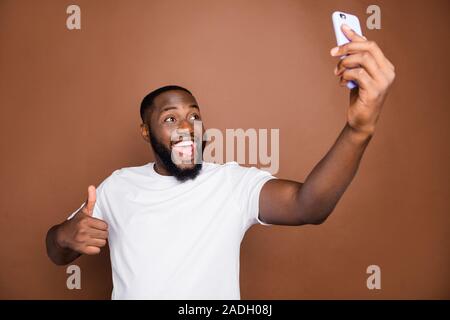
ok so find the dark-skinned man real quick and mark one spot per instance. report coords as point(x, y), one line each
point(174, 228)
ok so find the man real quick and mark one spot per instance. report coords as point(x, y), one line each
point(175, 226)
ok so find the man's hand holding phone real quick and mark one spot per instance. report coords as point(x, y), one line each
point(364, 63)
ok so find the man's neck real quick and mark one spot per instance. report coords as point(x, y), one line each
point(160, 168)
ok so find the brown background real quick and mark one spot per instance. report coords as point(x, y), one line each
point(69, 117)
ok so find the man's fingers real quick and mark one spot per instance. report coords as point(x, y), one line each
point(100, 243)
point(351, 34)
point(97, 224)
point(98, 234)
point(356, 60)
point(360, 75)
point(90, 203)
point(355, 47)
point(91, 250)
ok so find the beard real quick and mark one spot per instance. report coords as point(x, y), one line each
point(165, 155)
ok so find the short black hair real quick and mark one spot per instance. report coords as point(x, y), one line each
point(147, 102)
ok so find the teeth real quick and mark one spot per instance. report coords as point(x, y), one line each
point(184, 144)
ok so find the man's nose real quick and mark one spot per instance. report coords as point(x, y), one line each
point(185, 129)
point(186, 125)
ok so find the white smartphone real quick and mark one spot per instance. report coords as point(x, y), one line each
point(339, 18)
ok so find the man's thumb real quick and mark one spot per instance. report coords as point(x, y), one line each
point(90, 203)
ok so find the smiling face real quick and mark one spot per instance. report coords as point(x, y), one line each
point(169, 127)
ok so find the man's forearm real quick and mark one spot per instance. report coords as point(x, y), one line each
point(329, 179)
point(56, 253)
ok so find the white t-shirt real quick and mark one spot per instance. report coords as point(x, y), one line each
point(178, 240)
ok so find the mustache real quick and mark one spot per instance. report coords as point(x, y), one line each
point(184, 138)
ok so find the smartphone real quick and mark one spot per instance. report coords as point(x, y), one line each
point(339, 18)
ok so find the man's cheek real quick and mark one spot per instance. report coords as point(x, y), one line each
point(165, 138)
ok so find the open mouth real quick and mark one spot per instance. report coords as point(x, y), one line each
point(184, 149)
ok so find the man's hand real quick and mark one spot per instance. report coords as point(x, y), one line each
point(366, 64)
point(83, 233)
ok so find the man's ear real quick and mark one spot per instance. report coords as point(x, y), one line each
point(145, 132)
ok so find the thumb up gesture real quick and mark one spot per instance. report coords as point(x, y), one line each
point(84, 233)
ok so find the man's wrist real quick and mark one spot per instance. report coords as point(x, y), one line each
point(360, 137)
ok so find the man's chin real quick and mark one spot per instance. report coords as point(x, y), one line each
point(185, 166)
point(185, 172)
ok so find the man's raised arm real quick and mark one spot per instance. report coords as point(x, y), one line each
point(288, 202)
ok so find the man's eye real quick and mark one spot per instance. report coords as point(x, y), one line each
point(169, 119)
point(194, 117)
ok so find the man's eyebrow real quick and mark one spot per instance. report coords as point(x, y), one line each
point(171, 107)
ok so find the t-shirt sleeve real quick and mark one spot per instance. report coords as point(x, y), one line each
point(247, 184)
point(98, 207)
